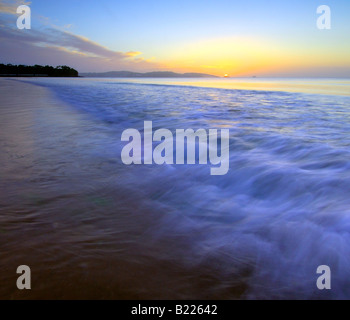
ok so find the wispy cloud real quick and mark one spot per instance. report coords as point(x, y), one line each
point(133, 53)
point(11, 6)
point(53, 45)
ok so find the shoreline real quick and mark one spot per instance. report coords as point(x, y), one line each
point(77, 219)
point(322, 86)
point(81, 219)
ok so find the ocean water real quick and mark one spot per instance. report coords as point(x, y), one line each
point(92, 227)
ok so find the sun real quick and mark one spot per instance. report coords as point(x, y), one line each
point(226, 75)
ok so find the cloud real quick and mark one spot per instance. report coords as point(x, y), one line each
point(11, 6)
point(52, 45)
point(55, 37)
point(133, 53)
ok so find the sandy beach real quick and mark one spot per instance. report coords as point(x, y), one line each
point(54, 206)
point(67, 214)
point(91, 227)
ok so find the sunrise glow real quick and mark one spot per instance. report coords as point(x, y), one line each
point(240, 39)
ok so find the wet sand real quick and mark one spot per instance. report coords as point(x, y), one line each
point(91, 227)
point(64, 213)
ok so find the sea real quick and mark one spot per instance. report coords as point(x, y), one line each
point(90, 226)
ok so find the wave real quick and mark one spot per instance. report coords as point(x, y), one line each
point(261, 230)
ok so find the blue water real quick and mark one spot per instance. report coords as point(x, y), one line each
point(260, 231)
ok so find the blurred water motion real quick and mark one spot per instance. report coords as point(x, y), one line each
point(91, 227)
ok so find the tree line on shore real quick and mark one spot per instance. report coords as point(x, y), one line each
point(37, 71)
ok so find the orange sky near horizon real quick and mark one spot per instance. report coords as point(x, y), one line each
point(244, 56)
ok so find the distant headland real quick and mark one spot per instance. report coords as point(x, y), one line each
point(10, 70)
point(155, 74)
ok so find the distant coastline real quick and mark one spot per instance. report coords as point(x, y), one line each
point(155, 74)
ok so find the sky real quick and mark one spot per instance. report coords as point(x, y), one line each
point(240, 38)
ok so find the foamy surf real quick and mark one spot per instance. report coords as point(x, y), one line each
point(81, 218)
